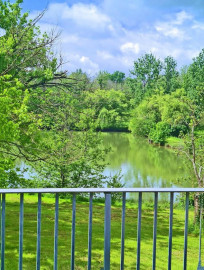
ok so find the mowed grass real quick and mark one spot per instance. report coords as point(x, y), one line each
point(64, 240)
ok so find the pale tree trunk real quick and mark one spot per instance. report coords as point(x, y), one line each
point(197, 172)
point(196, 208)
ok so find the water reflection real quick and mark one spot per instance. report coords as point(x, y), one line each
point(142, 164)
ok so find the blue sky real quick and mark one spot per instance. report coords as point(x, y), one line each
point(110, 34)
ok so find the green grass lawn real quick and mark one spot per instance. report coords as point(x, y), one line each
point(47, 238)
point(174, 142)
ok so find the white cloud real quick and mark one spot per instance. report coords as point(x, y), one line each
point(170, 31)
point(83, 62)
point(198, 26)
point(181, 17)
point(192, 53)
point(111, 35)
point(130, 47)
point(174, 27)
point(105, 55)
point(84, 15)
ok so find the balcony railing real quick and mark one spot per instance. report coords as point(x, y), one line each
point(107, 223)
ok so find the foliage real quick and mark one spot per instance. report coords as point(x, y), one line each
point(79, 80)
point(17, 128)
point(43, 109)
point(159, 133)
point(111, 109)
point(117, 77)
point(25, 52)
point(170, 74)
point(37, 123)
point(102, 79)
point(193, 80)
point(145, 75)
point(162, 115)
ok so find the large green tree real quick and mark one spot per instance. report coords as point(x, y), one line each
point(145, 74)
point(194, 80)
point(40, 108)
point(170, 74)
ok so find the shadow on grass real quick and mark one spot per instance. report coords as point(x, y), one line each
point(81, 236)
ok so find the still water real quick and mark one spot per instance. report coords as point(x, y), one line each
point(142, 164)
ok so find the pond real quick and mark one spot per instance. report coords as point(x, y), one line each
point(142, 164)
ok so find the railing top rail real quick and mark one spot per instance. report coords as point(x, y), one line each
point(98, 190)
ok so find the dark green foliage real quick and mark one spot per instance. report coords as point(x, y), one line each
point(117, 77)
point(194, 80)
point(170, 74)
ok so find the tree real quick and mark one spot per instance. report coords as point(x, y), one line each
point(160, 116)
point(18, 129)
point(193, 80)
point(25, 63)
point(79, 80)
point(40, 107)
point(26, 53)
point(170, 74)
point(193, 147)
point(117, 77)
point(145, 73)
point(102, 79)
point(111, 109)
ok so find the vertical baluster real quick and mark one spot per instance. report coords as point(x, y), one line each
point(155, 231)
point(139, 218)
point(38, 232)
point(0, 222)
point(170, 229)
point(107, 231)
point(56, 230)
point(3, 230)
point(123, 232)
point(200, 233)
point(90, 231)
point(73, 230)
point(21, 232)
point(186, 233)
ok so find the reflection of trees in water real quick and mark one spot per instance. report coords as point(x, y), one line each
point(142, 164)
point(145, 181)
point(148, 196)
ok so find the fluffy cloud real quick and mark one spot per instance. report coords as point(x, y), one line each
point(174, 27)
point(181, 17)
point(170, 31)
point(111, 34)
point(130, 47)
point(198, 26)
point(80, 15)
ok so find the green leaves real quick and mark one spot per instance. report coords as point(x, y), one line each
point(111, 109)
point(162, 115)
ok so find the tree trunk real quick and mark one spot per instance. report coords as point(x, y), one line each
point(196, 208)
point(62, 179)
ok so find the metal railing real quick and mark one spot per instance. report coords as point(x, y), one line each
point(107, 223)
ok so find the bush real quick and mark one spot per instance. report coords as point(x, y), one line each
point(160, 133)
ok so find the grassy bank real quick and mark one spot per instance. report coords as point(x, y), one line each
point(47, 240)
point(175, 142)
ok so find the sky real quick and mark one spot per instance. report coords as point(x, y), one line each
point(110, 35)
